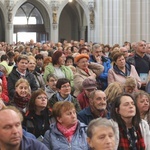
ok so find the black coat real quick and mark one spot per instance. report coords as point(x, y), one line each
point(14, 76)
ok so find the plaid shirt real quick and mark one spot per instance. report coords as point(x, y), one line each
point(125, 142)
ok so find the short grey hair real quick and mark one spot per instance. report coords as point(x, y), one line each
point(103, 122)
point(95, 46)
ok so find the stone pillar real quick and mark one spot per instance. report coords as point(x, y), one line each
point(54, 22)
point(9, 33)
point(105, 21)
point(136, 20)
point(82, 32)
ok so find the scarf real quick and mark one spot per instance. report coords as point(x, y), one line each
point(131, 139)
point(118, 71)
point(87, 71)
point(62, 99)
point(21, 102)
point(68, 133)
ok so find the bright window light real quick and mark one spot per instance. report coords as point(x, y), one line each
point(23, 20)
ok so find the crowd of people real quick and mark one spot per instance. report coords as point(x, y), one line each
point(74, 95)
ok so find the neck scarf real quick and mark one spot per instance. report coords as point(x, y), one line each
point(68, 133)
point(131, 140)
point(86, 70)
point(63, 99)
point(21, 102)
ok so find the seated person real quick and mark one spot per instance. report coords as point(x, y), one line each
point(11, 133)
point(38, 117)
point(22, 95)
point(67, 131)
point(64, 94)
point(103, 134)
point(96, 109)
point(50, 87)
point(88, 85)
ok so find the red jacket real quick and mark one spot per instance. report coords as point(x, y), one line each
point(83, 100)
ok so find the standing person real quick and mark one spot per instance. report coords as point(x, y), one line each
point(102, 134)
point(67, 132)
point(20, 72)
point(139, 60)
point(133, 132)
point(11, 134)
point(64, 94)
point(39, 116)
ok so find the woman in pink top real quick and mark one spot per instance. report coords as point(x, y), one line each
point(121, 70)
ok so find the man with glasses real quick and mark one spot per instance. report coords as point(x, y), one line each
point(97, 56)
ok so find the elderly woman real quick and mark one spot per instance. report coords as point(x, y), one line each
point(133, 132)
point(102, 134)
point(38, 77)
point(67, 132)
point(121, 70)
point(143, 103)
point(22, 95)
point(64, 94)
point(38, 117)
point(58, 67)
point(83, 71)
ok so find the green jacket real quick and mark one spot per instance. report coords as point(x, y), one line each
point(65, 69)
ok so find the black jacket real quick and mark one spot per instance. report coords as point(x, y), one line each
point(14, 76)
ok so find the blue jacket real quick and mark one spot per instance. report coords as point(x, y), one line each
point(32, 144)
point(102, 78)
point(55, 140)
point(86, 115)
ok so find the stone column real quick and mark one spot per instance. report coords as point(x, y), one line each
point(82, 32)
point(54, 22)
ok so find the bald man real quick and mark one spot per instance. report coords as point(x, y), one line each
point(11, 135)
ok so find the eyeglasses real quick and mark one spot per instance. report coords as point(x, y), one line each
point(98, 51)
point(65, 86)
point(42, 97)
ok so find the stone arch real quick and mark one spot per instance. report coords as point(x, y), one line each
point(43, 8)
point(81, 16)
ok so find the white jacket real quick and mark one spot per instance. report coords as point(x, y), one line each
point(145, 133)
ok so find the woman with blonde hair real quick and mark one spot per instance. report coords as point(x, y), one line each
point(112, 91)
point(22, 95)
point(130, 85)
